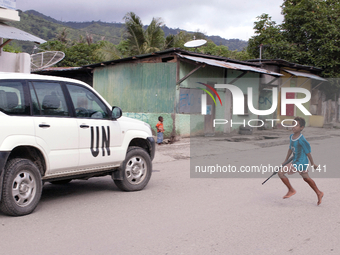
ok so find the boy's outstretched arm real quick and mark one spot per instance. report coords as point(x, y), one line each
point(309, 155)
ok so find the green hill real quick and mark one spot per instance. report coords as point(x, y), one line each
point(48, 28)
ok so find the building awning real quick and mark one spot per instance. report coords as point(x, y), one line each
point(306, 75)
point(229, 65)
point(11, 33)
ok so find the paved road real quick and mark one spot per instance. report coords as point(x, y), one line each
point(177, 214)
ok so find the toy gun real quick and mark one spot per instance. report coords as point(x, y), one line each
point(285, 163)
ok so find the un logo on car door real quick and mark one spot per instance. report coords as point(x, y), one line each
point(95, 134)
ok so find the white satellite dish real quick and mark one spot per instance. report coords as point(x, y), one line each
point(195, 43)
point(45, 59)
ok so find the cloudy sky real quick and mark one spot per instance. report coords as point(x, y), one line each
point(226, 18)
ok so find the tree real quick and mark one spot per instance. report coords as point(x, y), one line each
point(138, 40)
point(53, 46)
point(62, 36)
point(78, 54)
point(154, 36)
point(169, 42)
point(211, 48)
point(239, 55)
point(135, 33)
point(178, 40)
point(142, 41)
point(108, 51)
point(270, 37)
point(314, 28)
point(12, 47)
point(309, 35)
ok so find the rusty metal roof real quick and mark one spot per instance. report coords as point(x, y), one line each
point(229, 65)
point(57, 69)
point(9, 32)
point(306, 75)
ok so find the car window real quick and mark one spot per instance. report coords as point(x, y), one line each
point(86, 103)
point(12, 98)
point(48, 99)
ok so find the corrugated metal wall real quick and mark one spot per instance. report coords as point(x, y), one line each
point(142, 87)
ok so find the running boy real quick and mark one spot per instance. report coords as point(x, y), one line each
point(301, 153)
point(160, 130)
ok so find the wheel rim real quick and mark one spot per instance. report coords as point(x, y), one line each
point(136, 169)
point(24, 188)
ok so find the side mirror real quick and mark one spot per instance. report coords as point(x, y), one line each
point(116, 112)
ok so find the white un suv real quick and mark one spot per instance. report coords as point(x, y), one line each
point(57, 129)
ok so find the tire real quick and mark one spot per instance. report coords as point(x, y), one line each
point(137, 170)
point(61, 182)
point(22, 187)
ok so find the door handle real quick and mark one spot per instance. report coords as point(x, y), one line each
point(44, 125)
point(84, 126)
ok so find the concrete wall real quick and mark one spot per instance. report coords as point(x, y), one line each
point(180, 122)
point(15, 62)
point(329, 109)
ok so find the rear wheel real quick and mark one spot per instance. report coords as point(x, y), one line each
point(137, 169)
point(22, 187)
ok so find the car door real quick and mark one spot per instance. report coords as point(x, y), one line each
point(15, 124)
point(56, 131)
point(100, 137)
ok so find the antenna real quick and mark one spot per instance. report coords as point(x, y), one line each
point(195, 43)
point(45, 59)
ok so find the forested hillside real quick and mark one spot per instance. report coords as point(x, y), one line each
point(48, 28)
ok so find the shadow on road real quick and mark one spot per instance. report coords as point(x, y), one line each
point(77, 188)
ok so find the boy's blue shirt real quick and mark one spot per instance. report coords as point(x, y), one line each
point(300, 148)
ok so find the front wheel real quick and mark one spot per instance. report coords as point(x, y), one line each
point(22, 187)
point(137, 169)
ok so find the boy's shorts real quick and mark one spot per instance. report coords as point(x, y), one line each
point(159, 137)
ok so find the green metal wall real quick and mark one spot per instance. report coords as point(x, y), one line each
point(204, 74)
point(140, 88)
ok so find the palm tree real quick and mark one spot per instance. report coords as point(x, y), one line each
point(135, 33)
point(154, 36)
point(178, 40)
point(142, 41)
point(107, 51)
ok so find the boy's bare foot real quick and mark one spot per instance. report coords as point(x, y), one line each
point(320, 196)
point(289, 194)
